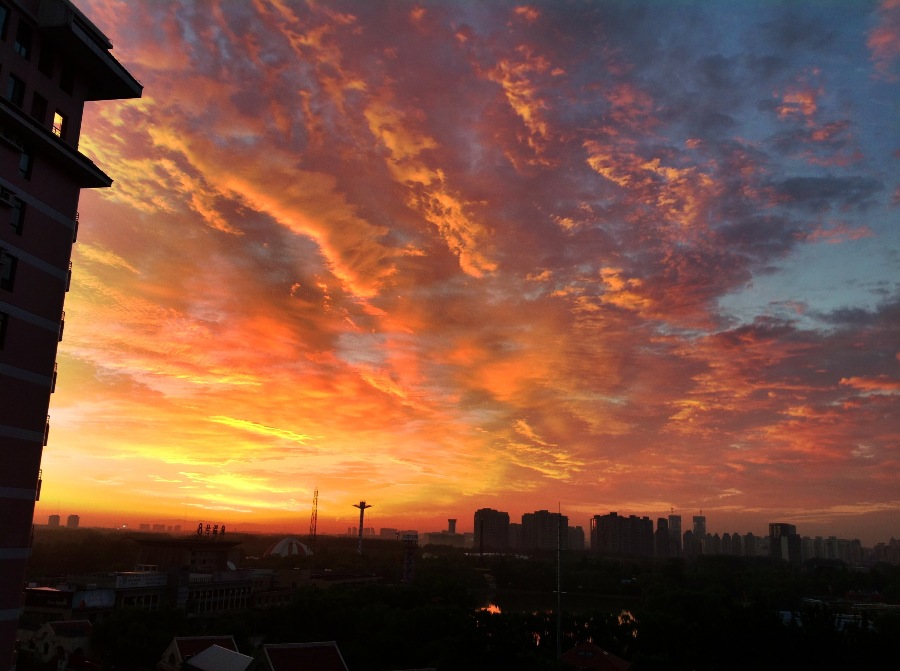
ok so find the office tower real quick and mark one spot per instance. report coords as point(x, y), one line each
point(491, 530)
point(675, 534)
point(52, 60)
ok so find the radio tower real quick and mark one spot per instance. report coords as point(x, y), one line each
point(362, 511)
point(314, 518)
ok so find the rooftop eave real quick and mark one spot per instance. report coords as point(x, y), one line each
point(80, 39)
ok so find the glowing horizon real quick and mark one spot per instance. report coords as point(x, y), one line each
point(444, 256)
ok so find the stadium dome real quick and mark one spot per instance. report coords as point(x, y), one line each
point(288, 547)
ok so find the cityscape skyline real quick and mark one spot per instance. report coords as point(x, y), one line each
point(444, 254)
point(675, 523)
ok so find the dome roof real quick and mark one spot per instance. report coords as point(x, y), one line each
point(288, 547)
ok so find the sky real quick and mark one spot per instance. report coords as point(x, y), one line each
point(639, 257)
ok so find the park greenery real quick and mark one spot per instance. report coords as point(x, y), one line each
point(710, 613)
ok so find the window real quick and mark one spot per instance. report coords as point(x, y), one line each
point(25, 163)
point(7, 269)
point(4, 20)
point(23, 40)
point(4, 319)
point(47, 60)
point(15, 90)
point(59, 124)
point(17, 215)
point(39, 108)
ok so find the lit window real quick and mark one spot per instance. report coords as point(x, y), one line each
point(59, 124)
point(7, 269)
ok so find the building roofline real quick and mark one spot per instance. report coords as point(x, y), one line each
point(73, 31)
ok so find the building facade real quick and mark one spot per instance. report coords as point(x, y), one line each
point(52, 60)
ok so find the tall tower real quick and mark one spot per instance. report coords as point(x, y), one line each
point(362, 513)
point(314, 518)
point(53, 61)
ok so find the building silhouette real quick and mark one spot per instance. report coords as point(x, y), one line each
point(699, 529)
point(675, 535)
point(543, 530)
point(491, 530)
point(53, 60)
point(661, 539)
point(630, 536)
point(72, 521)
point(784, 542)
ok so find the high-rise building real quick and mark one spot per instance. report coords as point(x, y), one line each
point(661, 540)
point(72, 521)
point(491, 530)
point(627, 536)
point(576, 538)
point(543, 530)
point(700, 535)
point(53, 521)
point(784, 542)
point(675, 534)
point(699, 528)
point(52, 60)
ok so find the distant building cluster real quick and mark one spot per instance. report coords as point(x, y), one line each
point(634, 536)
point(540, 530)
point(72, 521)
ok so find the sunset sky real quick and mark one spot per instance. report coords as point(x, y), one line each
point(594, 256)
